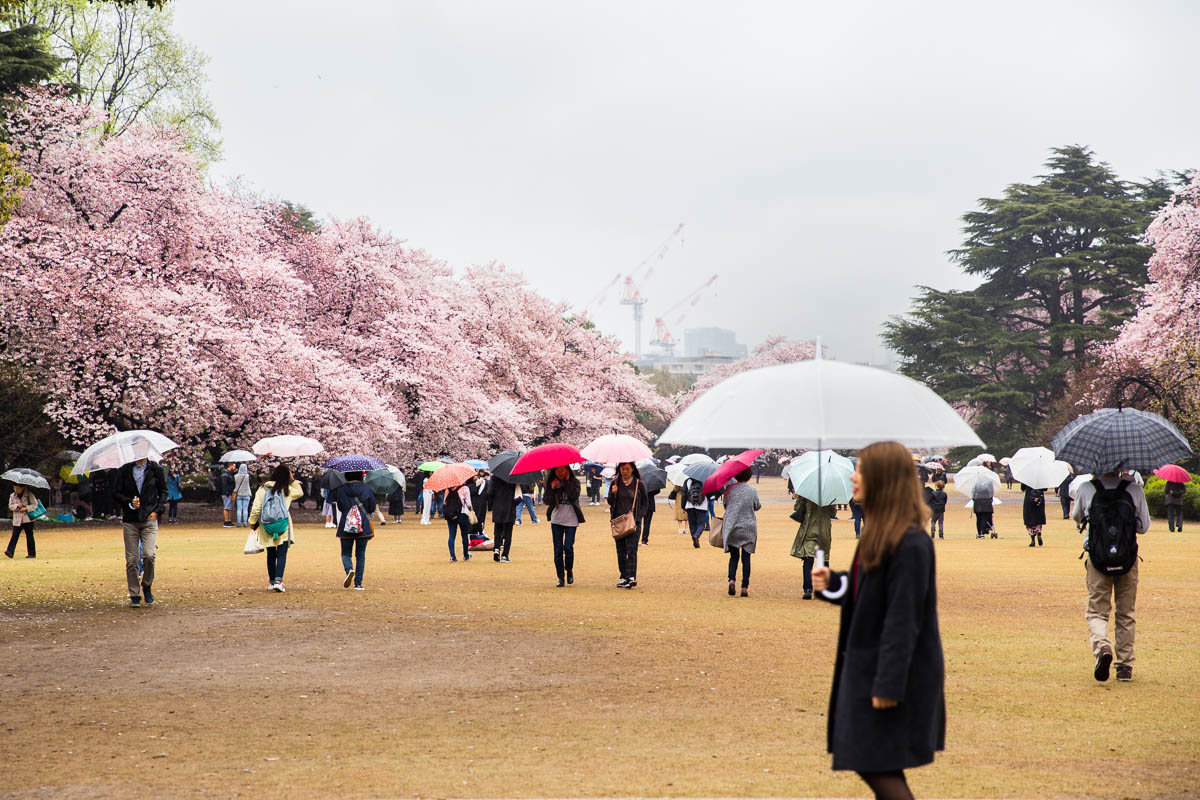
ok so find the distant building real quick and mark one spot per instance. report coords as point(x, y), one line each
point(682, 365)
point(712, 343)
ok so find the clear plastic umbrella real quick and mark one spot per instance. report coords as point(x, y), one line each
point(1036, 467)
point(287, 446)
point(969, 478)
point(121, 448)
point(238, 457)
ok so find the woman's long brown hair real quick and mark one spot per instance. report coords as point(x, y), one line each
point(893, 501)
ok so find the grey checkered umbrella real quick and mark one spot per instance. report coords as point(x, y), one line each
point(1113, 439)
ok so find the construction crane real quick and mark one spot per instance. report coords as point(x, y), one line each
point(632, 296)
point(662, 335)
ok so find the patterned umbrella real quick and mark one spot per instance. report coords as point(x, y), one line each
point(354, 462)
point(121, 448)
point(449, 477)
point(26, 477)
point(1113, 439)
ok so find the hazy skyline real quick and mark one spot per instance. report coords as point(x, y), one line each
point(820, 156)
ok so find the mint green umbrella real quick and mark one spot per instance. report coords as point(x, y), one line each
point(822, 476)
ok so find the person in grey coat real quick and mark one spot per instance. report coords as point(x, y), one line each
point(740, 528)
point(887, 710)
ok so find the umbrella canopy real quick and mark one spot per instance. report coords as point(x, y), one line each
point(26, 477)
point(1173, 473)
point(332, 479)
point(728, 469)
point(615, 448)
point(1036, 467)
point(238, 457)
point(449, 477)
point(933, 465)
point(1113, 439)
point(476, 463)
point(121, 448)
point(548, 456)
point(969, 478)
point(68, 455)
point(65, 473)
point(383, 481)
point(501, 464)
point(982, 458)
point(675, 472)
point(701, 470)
point(1004, 462)
point(822, 476)
point(816, 404)
point(355, 462)
point(673, 459)
point(654, 477)
point(1077, 482)
point(431, 466)
point(287, 446)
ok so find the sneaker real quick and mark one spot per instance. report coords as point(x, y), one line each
point(504, 559)
point(561, 583)
point(496, 557)
point(227, 525)
point(135, 601)
point(632, 583)
point(808, 594)
point(349, 580)
point(330, 525)
point(696, 542)
point(274, 587)
point(359, 589)
point(467, 557)
point(745, 591)
point(1124, 672)
point(1103, 662)
point(518, 522)
point(148, 594)
point(570, 577)
point(453, 560)
point(732, 590)
point(279, 588)
point(623, 583)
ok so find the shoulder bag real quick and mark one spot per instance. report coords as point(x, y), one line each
point(716, 533)
point(625, 524)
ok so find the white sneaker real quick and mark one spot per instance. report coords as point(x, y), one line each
point(279, 588)
point(359, 589)
point(330, 525)
point(349, 580)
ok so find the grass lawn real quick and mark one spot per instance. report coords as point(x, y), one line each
point(480, 679)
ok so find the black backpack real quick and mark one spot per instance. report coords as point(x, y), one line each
point(695, 492)
point(1112, 529)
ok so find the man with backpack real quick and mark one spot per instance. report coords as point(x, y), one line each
point(1113, 510)
point(697, 508)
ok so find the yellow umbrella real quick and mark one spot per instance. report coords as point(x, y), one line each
point(64, 472)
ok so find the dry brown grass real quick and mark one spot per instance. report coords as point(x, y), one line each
point(483, 680)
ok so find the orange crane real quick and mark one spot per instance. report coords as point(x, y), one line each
point(662, 336)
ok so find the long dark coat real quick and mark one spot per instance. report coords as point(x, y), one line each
point(889, 646)
point(500, 501)
point(1034, 510)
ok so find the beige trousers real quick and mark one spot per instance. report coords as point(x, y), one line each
point(1103, 590)
point(146, 533)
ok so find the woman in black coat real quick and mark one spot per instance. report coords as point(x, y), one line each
point(502, 503)
point(1034, 513)
point(887, 712)
point(627, 494)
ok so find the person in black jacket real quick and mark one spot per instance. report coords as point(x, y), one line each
point(503, 505)
point(457, 519)
point(887, 711)
point(1034, 513)
point(141, 493)
point(1064, 496)
point(937, 508)
point(627, 494)
point(565, 515)
point(354, 530)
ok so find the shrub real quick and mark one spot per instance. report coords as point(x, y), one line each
point(1156, 498)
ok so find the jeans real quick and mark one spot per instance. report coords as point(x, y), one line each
point(1065, 499)
point(277, 561)
point(644, 524)
point(527, 502)
point(697, 517)
point(734, 554)
point(627, 556)
point(173, 510)
point(141, 541)
point(243, 509)
point(502, 534)
point(359, 546)
point(461, 523)
point(30, 548)
point(563, 537)
point(937, 522)
point(856, 513)
point(1174, 518)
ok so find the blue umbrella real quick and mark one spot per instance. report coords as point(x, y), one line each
point(700, 470)
point(1114, 439)
point(354, 463)
point(475, 463)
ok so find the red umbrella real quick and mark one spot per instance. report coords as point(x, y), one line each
point(449, 477)
point(1173, 473)
point(729, 469)
point(547, 456)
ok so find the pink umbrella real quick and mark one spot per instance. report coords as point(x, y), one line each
point(729, 469)
point(548, 456)
point(1173, 473)
point(615, 448)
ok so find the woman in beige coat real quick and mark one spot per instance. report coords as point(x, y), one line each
point(676, 499)
point(21, 502)
point(268, 516)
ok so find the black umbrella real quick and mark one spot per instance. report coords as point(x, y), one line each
point(501, 464)
point(653, 478)
point(332, 479)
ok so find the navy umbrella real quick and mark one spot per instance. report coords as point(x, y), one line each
point(354, 463)
point(1113, 439)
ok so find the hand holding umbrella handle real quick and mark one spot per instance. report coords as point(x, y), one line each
point(841, 590)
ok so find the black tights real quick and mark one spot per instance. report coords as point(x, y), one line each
point(744, 555)
point(888, 785)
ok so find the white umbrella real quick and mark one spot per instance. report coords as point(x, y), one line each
point(819, 404)
point(828, 485)
point(675, 472)
point(968, 478)
point(237, 457)
point(397, 474)
point(287, 446)
point(1036, 467)
point(982, 458)
point(1079, 481)
point(121, 448)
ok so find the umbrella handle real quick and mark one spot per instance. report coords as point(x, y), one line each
point(820, 562)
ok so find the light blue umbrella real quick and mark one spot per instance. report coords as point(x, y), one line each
point(822, 476)
point(476, 463)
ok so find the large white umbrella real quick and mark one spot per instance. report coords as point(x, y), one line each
point(822, 477)
point(1079, 481)
point(121, 448)
point(287, 446)
point(819, 404)
point(675, 472)
point(238, 457)
point(1036, 467)
point(968, 478)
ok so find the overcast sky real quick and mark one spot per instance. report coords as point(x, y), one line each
point(820, 155)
